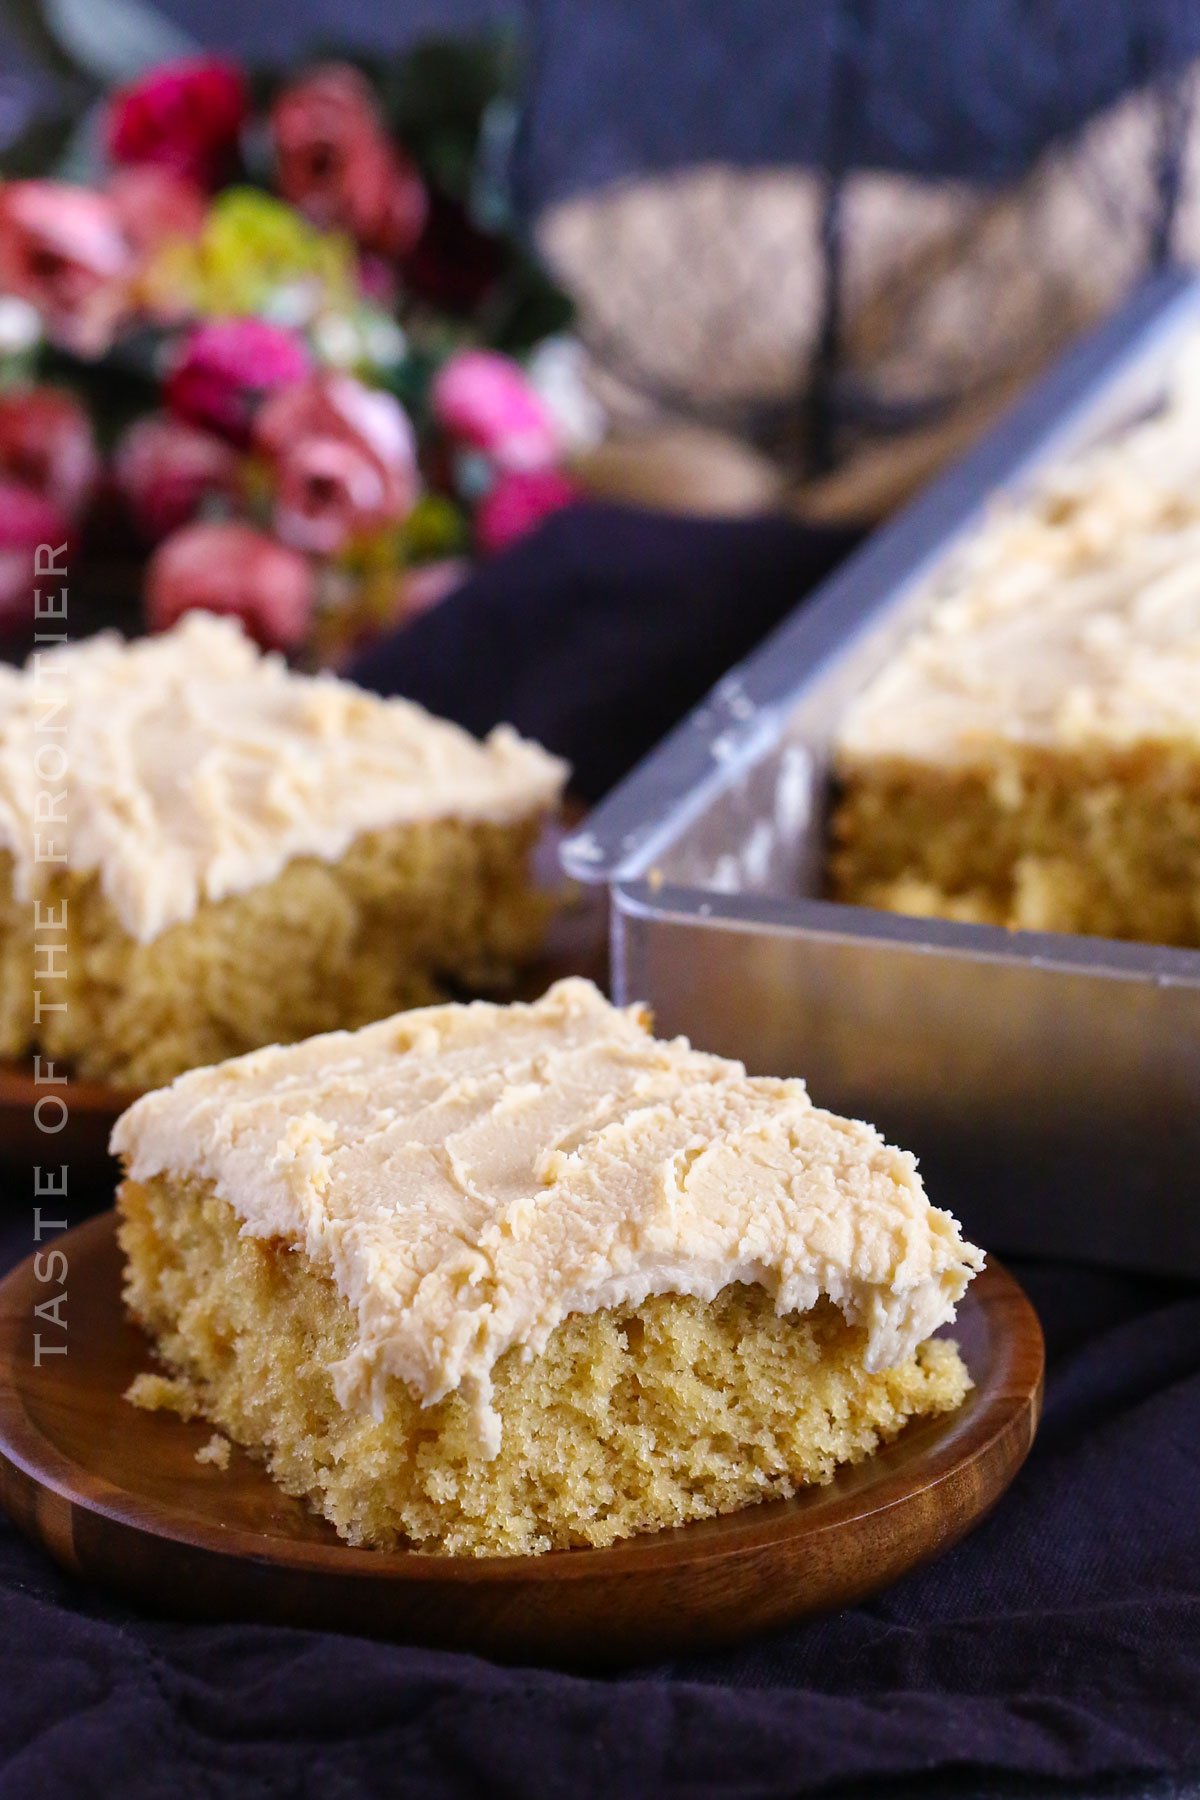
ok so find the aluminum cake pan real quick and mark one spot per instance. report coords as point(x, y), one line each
point(1050, 1084)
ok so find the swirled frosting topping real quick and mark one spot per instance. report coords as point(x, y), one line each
point(187, 767)
point(1070, 621)
point(471, 1175)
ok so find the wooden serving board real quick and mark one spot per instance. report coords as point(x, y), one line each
point(117, 1497)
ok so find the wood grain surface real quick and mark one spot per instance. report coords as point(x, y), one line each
point(116, 1497)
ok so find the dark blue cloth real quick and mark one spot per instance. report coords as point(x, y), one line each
point(1061, 1642)
point(599, 631)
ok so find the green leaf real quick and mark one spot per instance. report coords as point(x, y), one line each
point(39, 147)
point(528, 307)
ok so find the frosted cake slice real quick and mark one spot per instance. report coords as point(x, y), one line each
point(1031, 757)
point(202, 851)
point(493, 1279)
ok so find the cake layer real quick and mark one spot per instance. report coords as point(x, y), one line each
point(1031, 756)
point(185, 768)
point(403, 917)
point(1107, 846)
point(471, 1176)
point(631, 1420)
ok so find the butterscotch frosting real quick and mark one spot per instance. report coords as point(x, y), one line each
point(1071, 621)
point(470, 1175)
point(189, 766)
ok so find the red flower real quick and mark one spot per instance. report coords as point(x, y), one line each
point(185, 116)
point(336, 163)
point(231, 568)
point(47, 444)
point(27, 519)
point(156, 204)
point(519, 501)
point(165, 469)
point(62, 248)
point(223, 371)
point(345, 461)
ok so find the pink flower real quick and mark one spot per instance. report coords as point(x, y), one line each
point(27, 519)
point(62, 248)
point(165, 469)
point(155, 205)
point(336, 163)
point(184, 116)
point(483, 399)
point(231, 568)
point(223, 371)
point(429, 584)
point(47, 444)
point(344, 458)
point(519, 501)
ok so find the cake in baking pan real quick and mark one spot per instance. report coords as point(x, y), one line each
point(492, 1279)
point(1031, 756)
point(202, 851)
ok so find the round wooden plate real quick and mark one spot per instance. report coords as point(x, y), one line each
point(78, 1135)
point(116, 1496)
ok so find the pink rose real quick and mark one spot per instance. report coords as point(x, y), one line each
point(483, 399)
point(224, 370)
point(344, 458)
point(231, 568)
point(27, 519)
point(165, 469)
point(62, 248)
point(519, 501)
point(155, 205)
point(337, 165)
point(47, 444)
point(184, 116)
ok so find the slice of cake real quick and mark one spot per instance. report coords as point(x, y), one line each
point(488, 1279)
point(201, 852)
point(1031, 758)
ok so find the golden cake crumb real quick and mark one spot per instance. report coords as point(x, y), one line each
point(216, 1451)
point(165, 1393)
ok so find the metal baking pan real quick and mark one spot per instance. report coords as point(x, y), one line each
point(1050, 1084)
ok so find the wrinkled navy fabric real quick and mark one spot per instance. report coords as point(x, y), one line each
point(598, 632)
point(1059, 1643)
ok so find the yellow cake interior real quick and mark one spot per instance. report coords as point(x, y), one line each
point(1104, 844)
point(631, 1420)
point(406, 916)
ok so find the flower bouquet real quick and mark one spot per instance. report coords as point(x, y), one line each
point(284, 338)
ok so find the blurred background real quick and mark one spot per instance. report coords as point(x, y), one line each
point(820, 229)
point(744, 260)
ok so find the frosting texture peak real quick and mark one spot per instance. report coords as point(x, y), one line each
point(470, 1175)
